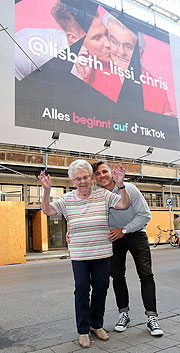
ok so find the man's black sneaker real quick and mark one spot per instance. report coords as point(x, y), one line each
point(153, 326)
point(123, 322)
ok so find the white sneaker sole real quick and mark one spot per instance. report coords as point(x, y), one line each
point(156, 332)
point(120, 328)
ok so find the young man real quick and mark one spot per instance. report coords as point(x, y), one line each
point(128, 233)
point(42, 44)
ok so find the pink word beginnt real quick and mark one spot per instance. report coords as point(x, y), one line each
point(91, 122)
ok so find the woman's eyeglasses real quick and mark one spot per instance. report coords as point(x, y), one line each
point(86, 177)
point(115, 43)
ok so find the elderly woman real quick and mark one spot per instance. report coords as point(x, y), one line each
point(86, 211)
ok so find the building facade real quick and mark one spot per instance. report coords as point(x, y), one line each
point(21, 166)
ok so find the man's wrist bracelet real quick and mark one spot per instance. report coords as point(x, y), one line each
point(121, 187)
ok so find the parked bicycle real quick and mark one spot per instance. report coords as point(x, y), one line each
point(169, 238)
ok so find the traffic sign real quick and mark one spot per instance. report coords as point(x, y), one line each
point(169, 201)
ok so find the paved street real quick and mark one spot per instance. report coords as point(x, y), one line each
point(37, 308)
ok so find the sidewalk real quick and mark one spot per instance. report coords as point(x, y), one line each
point(136, 339)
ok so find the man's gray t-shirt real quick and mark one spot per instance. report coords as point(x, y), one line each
point(40, 44)
point(136, 216)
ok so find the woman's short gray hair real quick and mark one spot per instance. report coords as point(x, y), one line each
point(79, 164)
point(109, 19)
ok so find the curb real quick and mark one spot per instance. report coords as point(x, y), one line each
point(47, 257)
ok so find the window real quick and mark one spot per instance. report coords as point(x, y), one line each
point(176, 200)
point(56, 193)
point(11, 193)
point(154, 199)
point(35, 194)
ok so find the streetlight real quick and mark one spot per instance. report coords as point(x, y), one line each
point(107, 144)
point(148, 152)
point(174, 161)
point(55, 137)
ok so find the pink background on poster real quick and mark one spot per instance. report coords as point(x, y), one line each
point(34, 14)
point(101, 11)
point(157, 60)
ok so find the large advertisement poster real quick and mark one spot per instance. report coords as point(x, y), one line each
point(101, 73)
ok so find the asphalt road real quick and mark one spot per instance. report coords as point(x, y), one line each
point(37, 301)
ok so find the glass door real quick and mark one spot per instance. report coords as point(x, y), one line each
point(57, 232)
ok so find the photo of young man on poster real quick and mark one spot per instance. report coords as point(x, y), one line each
point(42, 37)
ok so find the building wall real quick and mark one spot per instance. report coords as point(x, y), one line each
point(12, 230)
point(161, 219)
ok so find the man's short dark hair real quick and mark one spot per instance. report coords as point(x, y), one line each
point(96, 165)
point(67, 16)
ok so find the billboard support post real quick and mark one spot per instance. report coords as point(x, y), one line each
point(55, 137)
point(122, 5)
point(46, 158)
point(2, 167)
point(5, 29)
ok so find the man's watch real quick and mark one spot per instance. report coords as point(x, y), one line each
point(124, 231)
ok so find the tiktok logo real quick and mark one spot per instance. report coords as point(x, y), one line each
point(135, 128)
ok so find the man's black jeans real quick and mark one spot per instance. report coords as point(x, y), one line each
point(137, 244)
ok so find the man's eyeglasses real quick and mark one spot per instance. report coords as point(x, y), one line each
point(86, 177)
point(115, 43)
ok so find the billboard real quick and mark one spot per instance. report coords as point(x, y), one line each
point(101, 73)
